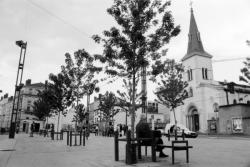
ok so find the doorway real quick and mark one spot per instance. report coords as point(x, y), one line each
point(193, 120)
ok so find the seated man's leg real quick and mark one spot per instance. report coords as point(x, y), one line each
point(160, 148)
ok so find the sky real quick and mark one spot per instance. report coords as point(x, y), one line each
point(55, 27)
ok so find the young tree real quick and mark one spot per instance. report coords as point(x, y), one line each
point(42, 107)
point(61, 94)
point(171, 87)
point(145, 27)
point(124, 99)
point(107, 103)
point(80, 115)
point(80, 71)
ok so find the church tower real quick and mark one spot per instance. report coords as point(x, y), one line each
point(197, 62)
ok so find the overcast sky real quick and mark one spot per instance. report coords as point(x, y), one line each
point(54, 27)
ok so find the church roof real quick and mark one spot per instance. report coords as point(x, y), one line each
point(195, 46)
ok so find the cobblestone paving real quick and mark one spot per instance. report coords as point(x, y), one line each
point(38, 151)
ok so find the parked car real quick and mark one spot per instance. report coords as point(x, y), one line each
point(188, 133)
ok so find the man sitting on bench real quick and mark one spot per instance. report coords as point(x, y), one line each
point(143, 131)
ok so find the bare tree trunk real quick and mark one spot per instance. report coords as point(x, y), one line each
point(58, 122)
point(133, 109)
point(175, 121)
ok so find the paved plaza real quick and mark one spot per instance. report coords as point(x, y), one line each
point(37, 151)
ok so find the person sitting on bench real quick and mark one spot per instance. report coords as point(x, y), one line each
point(143, 131)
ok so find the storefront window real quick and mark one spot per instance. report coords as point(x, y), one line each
point(237, 125)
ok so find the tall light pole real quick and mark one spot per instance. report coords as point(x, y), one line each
point(18, 87)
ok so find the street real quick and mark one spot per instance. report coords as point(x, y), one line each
point(37, 151)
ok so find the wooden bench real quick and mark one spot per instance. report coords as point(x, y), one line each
point(178, 147)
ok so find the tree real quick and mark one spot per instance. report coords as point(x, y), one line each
point(107, 103)
point(80, 71)
point(124, 99)
point(245, 77)
point(61, 94)
point(42, 107)
point(80, 114)
point(171, 87)
point(145, 27)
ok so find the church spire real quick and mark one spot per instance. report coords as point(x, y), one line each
point(194, 40)
point(195, 46)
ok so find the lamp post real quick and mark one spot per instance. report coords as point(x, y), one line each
point(18, 87)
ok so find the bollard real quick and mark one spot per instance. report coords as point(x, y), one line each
point(153, 151)
point(75, 139)
point(83, 142)
point(183, 134)
point(52, 134)
point(67, 138)
point(116, 146)
point(168, 135)
point(61, 135)
point(70, 141)
point(80, 137)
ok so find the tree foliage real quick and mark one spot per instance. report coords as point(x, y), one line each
point(80, 115)
point(245, 77)
point(80, 71)
point(171, 87)
point(42, 107)
point(124, 99)
point(107, 103)
point(61, 95)
point(145, 27)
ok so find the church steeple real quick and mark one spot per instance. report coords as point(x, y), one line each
point(194, 40)
point(195, 46)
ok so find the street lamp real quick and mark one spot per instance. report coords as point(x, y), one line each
point(18, 87)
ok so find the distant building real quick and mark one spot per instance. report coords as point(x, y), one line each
point(234, 119)
point(205, 94)
point(156, 112)
point(6, 104)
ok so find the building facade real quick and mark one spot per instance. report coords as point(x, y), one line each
point(205, 94)
point(6, 104)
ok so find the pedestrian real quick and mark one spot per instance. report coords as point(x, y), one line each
point(32, 129)
point(96, 130)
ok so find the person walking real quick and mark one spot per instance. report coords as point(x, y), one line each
point(32, 127)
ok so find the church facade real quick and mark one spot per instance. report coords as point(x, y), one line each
point(205, 94)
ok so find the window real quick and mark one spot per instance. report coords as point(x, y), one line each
point(190, 74)
point(235, 102)
point(248, 102)
point(204, 73)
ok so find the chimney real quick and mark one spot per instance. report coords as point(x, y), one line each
point(28, 82)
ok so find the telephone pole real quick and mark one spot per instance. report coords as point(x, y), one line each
point(18, 87)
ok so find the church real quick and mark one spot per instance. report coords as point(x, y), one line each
point(206, 95)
